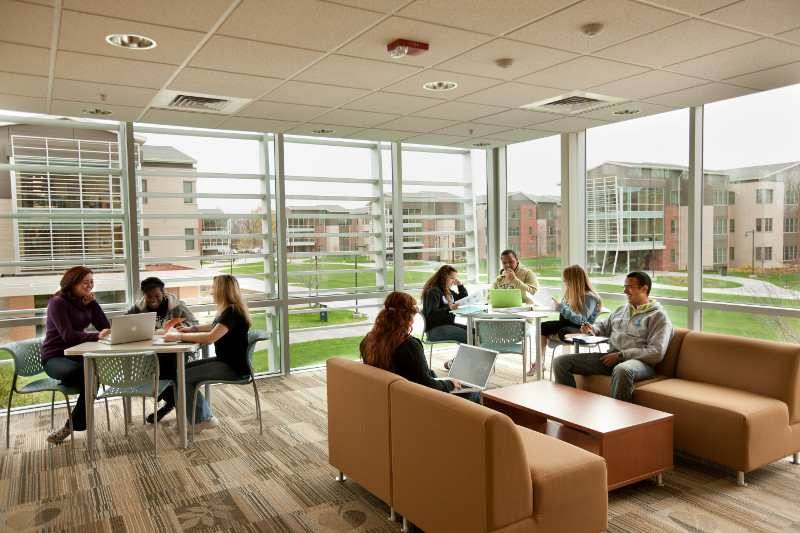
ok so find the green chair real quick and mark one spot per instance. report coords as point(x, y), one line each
point(27, 359)
point(504, 335)
point(425, 340)
point(253, 337)
point(128, 375)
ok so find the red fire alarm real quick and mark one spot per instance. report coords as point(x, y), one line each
point(405, 47)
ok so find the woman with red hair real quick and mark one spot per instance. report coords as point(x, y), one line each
point(390, 345)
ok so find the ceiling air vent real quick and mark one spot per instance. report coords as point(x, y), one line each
point(573, 103)
point(198, 102)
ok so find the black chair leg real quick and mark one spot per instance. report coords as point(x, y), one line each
point(258, 407)
point(69, 419)
point(8, 418)
point(52, 407)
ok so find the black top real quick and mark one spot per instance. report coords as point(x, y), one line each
point(408, 360)
point(232, 347)
point(435, 308)
point(67, 318)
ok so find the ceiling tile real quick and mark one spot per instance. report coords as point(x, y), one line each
point(384, 6)
point(281, 111)
point(257, 124)
point(518, 118)
point(680, 42)
point(699, 95)
point(527, 58)
point(400, 104)
point(771, 17)
point(495, 17)
point(182, 118)
point(381, 135)
point(204, 81)
point(751, 57)
point(355, 72)
point(26, 23)
point(582, 73)
point(444, 42)
point(24, 59)
point(471, 129)
point(460, 111)
point(87, 33)
point(793, 35)
point(436, 139)
point(647, 84)
point(418, 124)
point(644, 109)
point(300, 92)
point(13, 102)
point(695, 7)
point(177, 13)
point(770, 78)
point(362, 119)
point(91, 92)
point(570, 124)
point(623, 19)
point(100, 69)
point(250, 57)
point(521, 135)
point(303, 23)
point(24, 85)
point(466, 84)
point(511, 94)
point(323, 130)
point(75, 109)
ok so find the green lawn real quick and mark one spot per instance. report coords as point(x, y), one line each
point(312, 353)
point(543, 266)
point(709, 283)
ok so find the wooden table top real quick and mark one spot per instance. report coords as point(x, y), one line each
point(580, 409)
point(140, 346)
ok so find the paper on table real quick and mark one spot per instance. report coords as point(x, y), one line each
point(544, 298)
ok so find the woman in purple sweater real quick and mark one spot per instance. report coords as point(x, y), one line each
point(69, 313)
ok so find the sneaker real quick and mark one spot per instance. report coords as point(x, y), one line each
point(60, 435)
point(448, 364)
point(211, 423)
point(161, 413)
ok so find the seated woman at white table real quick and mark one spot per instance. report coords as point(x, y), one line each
point(228, 332)
point(69, 312)
point(580, 305)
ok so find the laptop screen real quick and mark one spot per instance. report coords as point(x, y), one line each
point(473, 365)
point(505, 298)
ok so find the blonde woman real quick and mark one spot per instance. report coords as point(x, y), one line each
point(228, 332)
point(580, 305)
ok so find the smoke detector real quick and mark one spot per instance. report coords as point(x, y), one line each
point(323, 131)
point(199, 102)
point(573, 103)
point(626, 112)
point(405, 47)
point(95, 111)
point(504, 62)
point(592, 29)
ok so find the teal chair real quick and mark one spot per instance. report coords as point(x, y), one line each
point(27, 357)
point(129, 375)
point(253, 337)
point(504, 335)
point(426, 341)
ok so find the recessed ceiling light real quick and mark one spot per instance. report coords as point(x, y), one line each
point(130, 41)
point(440, 86)
point(323, 131)
point(623, 112)
point(95, 111)
point(481, 145)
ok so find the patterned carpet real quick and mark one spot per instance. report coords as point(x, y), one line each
point(233, 479)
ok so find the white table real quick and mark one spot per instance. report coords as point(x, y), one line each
point(534, 317)
point(142, 346)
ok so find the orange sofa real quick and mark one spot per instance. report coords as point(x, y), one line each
point(736, 400)
point(453, 465)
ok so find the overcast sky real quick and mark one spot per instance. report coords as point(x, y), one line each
point(752, 130)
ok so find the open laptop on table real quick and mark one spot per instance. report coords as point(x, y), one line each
point(501, 298)
point(472, 366)
point(131, 328)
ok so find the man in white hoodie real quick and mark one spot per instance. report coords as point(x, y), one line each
point(639, 333)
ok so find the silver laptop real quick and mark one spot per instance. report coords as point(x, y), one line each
point(131, 328)
point(472, 366)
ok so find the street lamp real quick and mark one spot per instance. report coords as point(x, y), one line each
point(753, 256)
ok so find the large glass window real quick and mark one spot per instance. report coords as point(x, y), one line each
point(636, 186)
point(752, 151)
point(534, 206)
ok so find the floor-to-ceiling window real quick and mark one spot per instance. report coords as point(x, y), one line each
point(751, 210)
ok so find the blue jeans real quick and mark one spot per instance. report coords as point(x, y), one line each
point(623, 375)
point(449, 332)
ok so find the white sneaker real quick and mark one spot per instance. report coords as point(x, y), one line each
point(211, 423)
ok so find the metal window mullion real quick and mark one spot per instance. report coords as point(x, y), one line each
point(397, 216)
point(378, 242)
point(470, 231)
point(496, 207)
point(130, 223)
point(695, 219)
point(283, 282)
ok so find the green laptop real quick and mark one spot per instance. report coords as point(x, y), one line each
point(499, 298)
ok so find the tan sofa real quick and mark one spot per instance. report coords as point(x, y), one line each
point(736, 400)
point(457, 466)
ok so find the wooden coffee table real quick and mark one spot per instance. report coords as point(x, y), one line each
point(635, 441)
